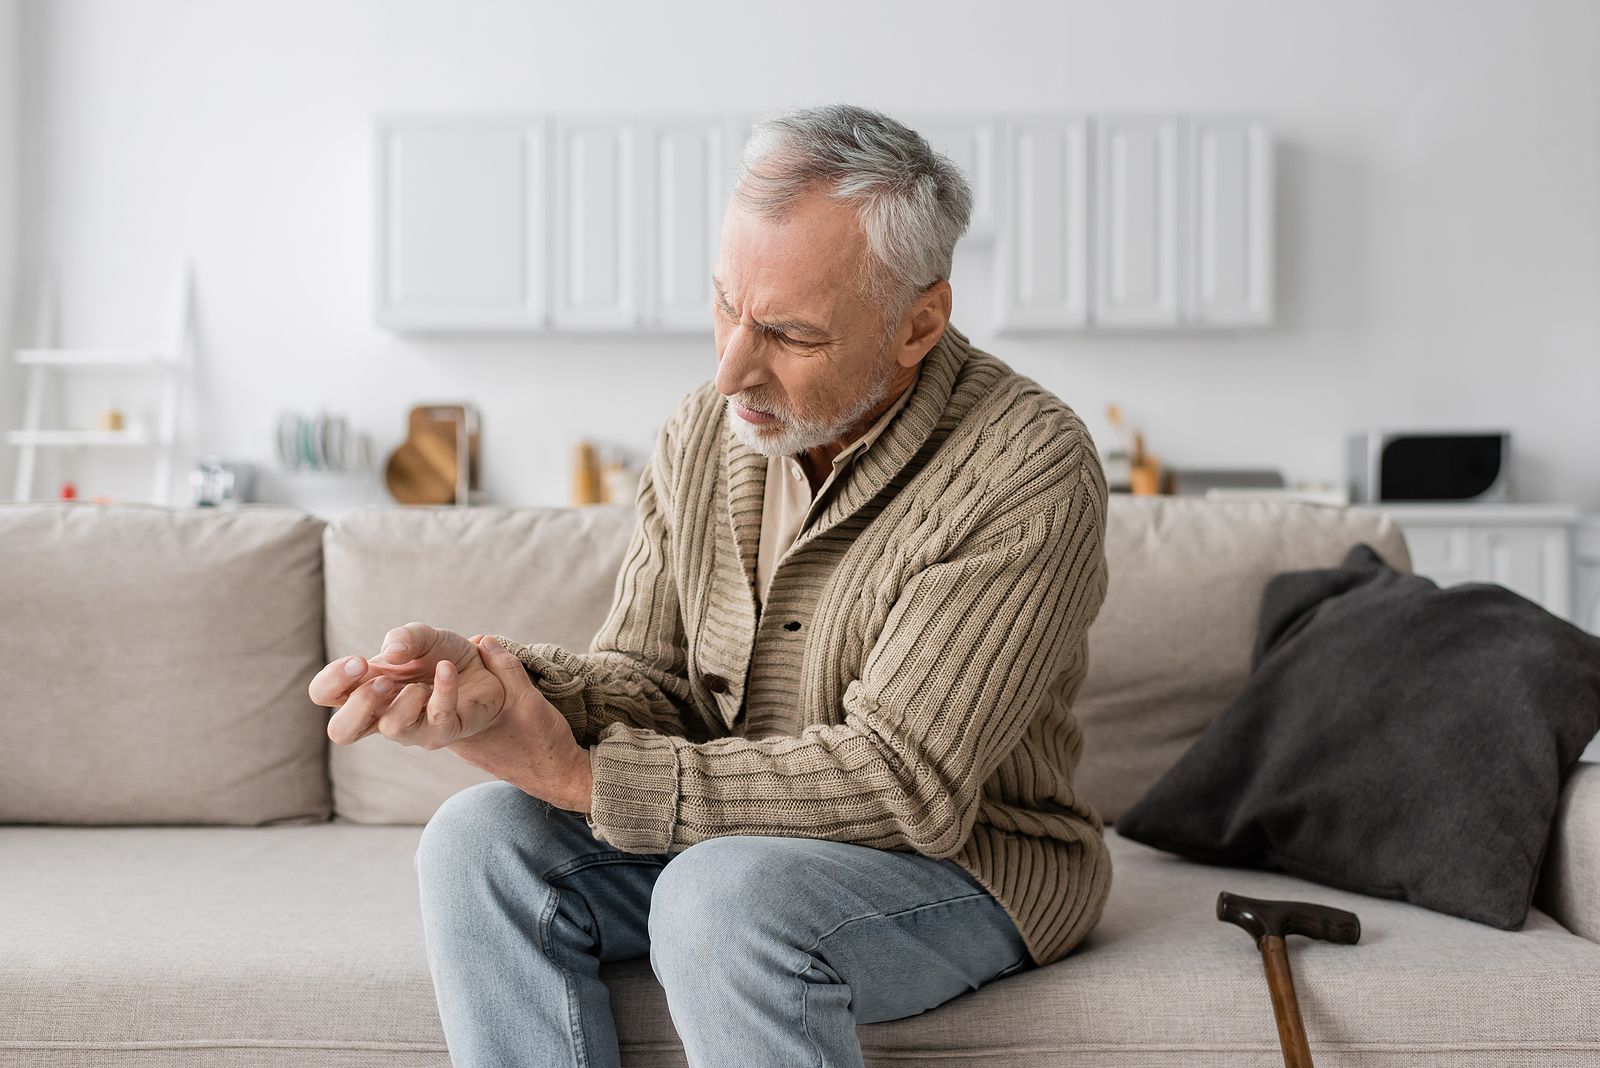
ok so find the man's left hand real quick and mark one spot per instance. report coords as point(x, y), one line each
point(531, 744)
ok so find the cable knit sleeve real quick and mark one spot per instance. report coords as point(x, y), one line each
point(636, 669)
point(946, 691)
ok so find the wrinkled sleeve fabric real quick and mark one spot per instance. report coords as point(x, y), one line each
point(636, 669)
point(944, 694)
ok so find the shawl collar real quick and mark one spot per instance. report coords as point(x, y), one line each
point(745, 469)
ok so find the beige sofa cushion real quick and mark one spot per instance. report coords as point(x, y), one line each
point(156, 662)
point(169, 946)
point(1171, 646)
point(534, 574)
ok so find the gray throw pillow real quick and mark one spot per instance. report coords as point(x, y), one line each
point(1394, 739)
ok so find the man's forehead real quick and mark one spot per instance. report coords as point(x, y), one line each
point(804, 265)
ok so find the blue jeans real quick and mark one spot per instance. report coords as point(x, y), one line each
point(770, 949)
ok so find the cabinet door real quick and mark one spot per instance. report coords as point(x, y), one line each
point(1042, 251)
point(685, 172)
point(460, 224)
point(597, 205)
point(1441, 553)
point(1533, 561)
point(1137, 218)
point(1231, 228)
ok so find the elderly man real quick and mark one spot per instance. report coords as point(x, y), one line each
point(818, 760)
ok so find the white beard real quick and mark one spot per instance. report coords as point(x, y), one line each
point(789, 436)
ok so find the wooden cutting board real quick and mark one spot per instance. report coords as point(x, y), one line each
point(423, 469)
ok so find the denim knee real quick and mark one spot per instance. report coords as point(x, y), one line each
point(712, 893)
point(471, 821)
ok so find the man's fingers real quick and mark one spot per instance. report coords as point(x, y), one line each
point(406, 643)
point(350, 723)
point(444, 719)
point(404, 713)
point(332, 685)
point(505, 666)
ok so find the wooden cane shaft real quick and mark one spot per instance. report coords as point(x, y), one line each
point(1285, 1008)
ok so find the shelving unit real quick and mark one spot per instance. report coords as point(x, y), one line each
point(46, 359)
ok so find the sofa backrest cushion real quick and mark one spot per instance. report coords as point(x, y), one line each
point(1171, 646)
point(156, 664)
point(534, 574)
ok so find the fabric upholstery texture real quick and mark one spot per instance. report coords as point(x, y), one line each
point(1569, 886)
point(1171, 647)
point(157, 661)
point(548, 573)
point(1394, 738)
point(266, 946)
point(273, 945)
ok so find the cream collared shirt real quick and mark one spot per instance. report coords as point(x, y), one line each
point(788, 497)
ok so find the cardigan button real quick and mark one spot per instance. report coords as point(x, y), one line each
point(716, 684)
point(793, 624)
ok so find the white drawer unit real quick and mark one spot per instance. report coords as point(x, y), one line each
point(1527, 548)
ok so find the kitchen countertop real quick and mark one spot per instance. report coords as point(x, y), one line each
point(1487, 511)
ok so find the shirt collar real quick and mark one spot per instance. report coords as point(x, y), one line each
point(872, 433)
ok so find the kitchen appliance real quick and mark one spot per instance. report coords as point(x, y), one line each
point(1428, 465)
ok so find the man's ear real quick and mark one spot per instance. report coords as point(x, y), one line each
point(928, 316)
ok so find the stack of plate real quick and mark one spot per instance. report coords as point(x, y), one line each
point(320, 442)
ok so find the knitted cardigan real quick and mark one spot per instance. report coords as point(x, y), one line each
point(908, 684)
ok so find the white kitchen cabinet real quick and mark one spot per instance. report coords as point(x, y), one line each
point(638, 204)
point(687, 176)
point(1180, 235)
point(597, 239)
point(1042, 249)
point(612, 223)
point(1527, 548)
point(460, 223)
point(1137, 217)
point(1231, 222)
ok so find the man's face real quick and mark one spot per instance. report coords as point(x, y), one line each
point(800, 353)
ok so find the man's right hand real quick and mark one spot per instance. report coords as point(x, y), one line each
point(406, 692)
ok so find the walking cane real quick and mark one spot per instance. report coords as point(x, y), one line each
point(1270, 922)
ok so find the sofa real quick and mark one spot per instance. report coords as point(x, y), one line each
point(191, 874)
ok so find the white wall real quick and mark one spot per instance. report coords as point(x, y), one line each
point(10, 113)
point(1439, 191)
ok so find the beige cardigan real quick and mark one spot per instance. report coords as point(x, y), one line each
point(909, 683)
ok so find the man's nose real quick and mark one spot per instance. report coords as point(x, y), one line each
point(739, 365)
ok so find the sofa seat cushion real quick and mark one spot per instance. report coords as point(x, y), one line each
point(211, 945)
point(303, 945)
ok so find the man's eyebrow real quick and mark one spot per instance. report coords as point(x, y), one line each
point(787, 326)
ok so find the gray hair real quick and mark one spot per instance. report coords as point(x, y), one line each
point(913, 203)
